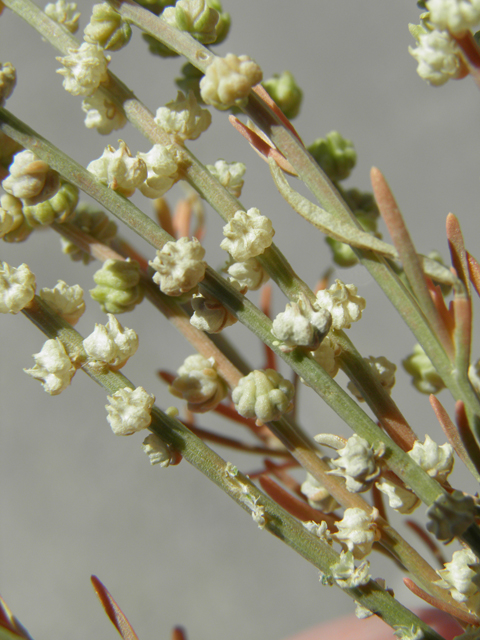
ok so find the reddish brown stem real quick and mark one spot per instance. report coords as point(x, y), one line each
point(113, 611)
point(474, 272)
point(428, 540)
point(462, 616)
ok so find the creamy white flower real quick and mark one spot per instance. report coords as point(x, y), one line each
point(183, 117)
point(301, 325)
point(247, 235)
point(436, 460)
point(249, 274)
point(102, 114)
point(157, 450)
point(162, 167)
point(111, 344)
point(118, 170)
point(64, 13)
point(317, 496)
point(227, 81)
point(7, 220)
point(399, 498)
point(346, 575)
point(8, 78)
point(462, 577)
point(129, 410)
point(195, 16)
point(319, 530)
point(209, 314)
point(356, 463)
point(17, 287)
point(438, 57)
point(30, 178)
point(383, 369)
point(343, 303)
point(199, 384)
point(457, 16)
point(84, 69)
point(230, 175)
point(264, 395)
point(179, 265)
point(52, 367)
point(66, 301)
point(357, 531)
point(327, 355)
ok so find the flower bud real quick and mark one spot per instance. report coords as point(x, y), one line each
point(383, 369)
point(451, 515)
point(436, 460)
point(118, 287)
point(118, 170)
point(58, 208)
point(84, 69)
point(227, 81)
point(162, 167)
point(438, 57)
point(194, 16)
point(31, 179)
point(110, 345)
point(8, 79)
point(157, 451)
point(462, 577)
point(264, 395)
point(102, 114)
point(183, 117)
point(247, 235)
point(317, 496)
point(52, 367)
point(249, 274)
point(17, 287)
point(199, 384)
point(129, 410)
point(64, 13)
point(456, 16)
point(326, 355)
point(180, 266)
point(285, 92)
point(66, 301)
point(209, 314)
point(13, 226)
point(399, 497)
point(107, 28)
point(335, 155)
point(357, 532)
point(357, 463)
point(425, 377)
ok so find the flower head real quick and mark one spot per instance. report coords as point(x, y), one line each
point(227, 81)
point(30, 178)
point(195, 16)
point(198, 382)
point(399, 497)
point(52, 367)
point(462, 577)
point(247, 235)
point(66, 301)
point(110, 344)
point(249, 274)
point(17, 287)
point(107, 28)
point(157, 450)
point(183, 117)
point(162, 168)
point(118, 170)
point(264, 395)
point(436, 460)
point(129, 410)
point(356, 463)
point(358, 531)
point(179, 266)
point(424, 375)
point(102, 114)
point(342, 302)
point(209, 314)
point(118, 287)
point(84, 69)
point(457, 16)
point(438, 57)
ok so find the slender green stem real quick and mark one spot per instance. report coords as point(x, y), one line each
point(231, 481)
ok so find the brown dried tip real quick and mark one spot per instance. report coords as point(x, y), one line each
point(113, 611)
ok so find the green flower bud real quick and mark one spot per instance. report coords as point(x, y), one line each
point(286, 93)
point(224, 21)
point(361, 203)
point(425, 376)
point(58, 208)
point(107, 28)
point(335, 155)
point(158, 48)
point(94, 222)
point(8, 79)
point(118, 287)
point(343, 254)
point(190, 81)
point(13, 226)
point(194, 16)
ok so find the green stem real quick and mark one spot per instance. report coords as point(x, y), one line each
point(233, 483)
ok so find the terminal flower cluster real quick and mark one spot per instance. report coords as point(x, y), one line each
point(84, 69)
point(343, 303)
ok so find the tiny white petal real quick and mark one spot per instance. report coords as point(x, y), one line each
point(66, 301)
point(17, 287)
point(52, 367)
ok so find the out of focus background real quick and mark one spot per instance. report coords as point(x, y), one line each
point(75, 500)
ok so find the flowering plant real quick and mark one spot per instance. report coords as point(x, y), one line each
point(332, 502)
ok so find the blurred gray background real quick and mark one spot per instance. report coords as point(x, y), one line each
point(74, 499)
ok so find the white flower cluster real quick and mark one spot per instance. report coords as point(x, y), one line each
point(103, 114)
point(346, 575)
point(84, 69)
point(11, 215)
point(357, 531)
point(110, 345)
point(183, 117)
point(17, 287)
point(52, 367)
point(229, 174)
point(118, 170)
point(383, 369)
point(357, 463)
point(64, 13)
point(399, 497)
point(248, 275)
point(30, 178)
point(342, 302)
point(456, 16)
point(438, 57)
point(462, 577)
point(195, 16)
point(227, 81)
point(301, 324)
point(247, 235)
point(317, 496)
point(199, 384)
point(8, 78)
point(162, 167)
point(436, 460)
point(209, 314)
point(129, 410)
point(157, 451)
point(327, 355)
point(243, 492)
point(179, 266)
point(264, 395)
point(66, 301)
